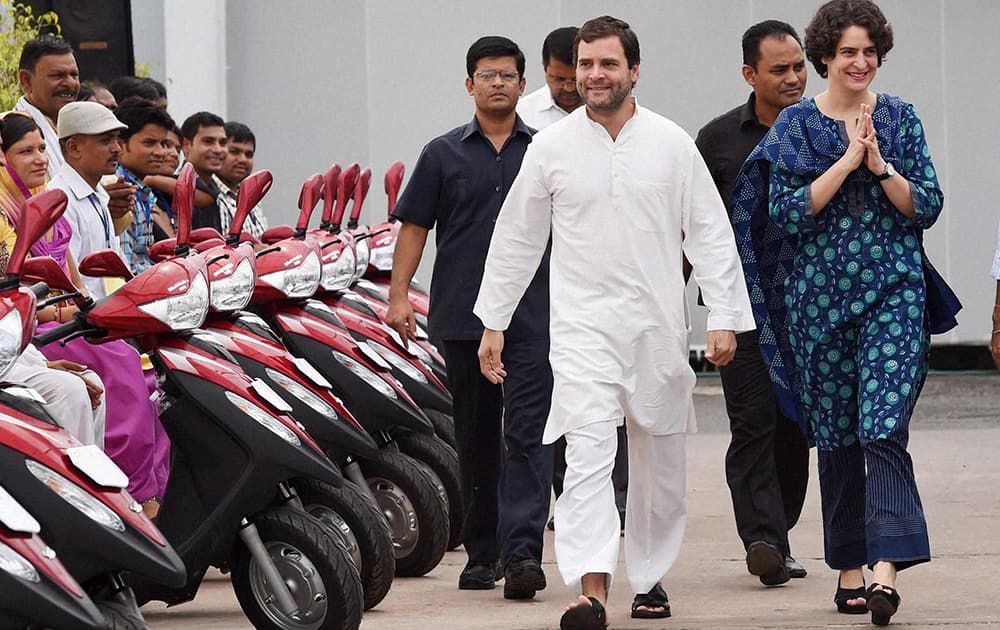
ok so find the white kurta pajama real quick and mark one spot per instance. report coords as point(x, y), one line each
point(621, 214)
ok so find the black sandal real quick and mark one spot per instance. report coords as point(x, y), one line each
point(882, 603)
point(582, 617)
point(655, 598)
point(844, 594)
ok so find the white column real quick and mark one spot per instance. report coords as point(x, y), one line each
point(195, 51)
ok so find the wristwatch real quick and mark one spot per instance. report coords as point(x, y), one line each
point(887, 173)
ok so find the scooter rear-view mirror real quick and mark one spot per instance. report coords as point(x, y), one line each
point(393, 182)
point(312, 192)
point(330, 180)
point(358, 198)
point(183, 207)
point(105, 263)
point(39, 214)
point(345, 189)
point(45, 269)
point(252, 190)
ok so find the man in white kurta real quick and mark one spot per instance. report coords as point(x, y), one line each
point(623, 204)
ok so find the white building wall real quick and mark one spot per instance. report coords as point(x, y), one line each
point(373, 80)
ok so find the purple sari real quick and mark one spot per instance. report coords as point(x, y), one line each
point(134, 437)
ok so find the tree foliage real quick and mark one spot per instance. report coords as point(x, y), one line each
point(18, 24)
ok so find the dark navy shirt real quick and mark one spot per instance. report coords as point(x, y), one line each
point(726, 141)
point(457, 186)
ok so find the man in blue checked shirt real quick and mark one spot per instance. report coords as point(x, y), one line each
point(143, 150)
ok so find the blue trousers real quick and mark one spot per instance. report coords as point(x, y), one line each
point(862, 379)
point(505, 469)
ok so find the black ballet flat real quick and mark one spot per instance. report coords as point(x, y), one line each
point(882, 603)
point(843, 595)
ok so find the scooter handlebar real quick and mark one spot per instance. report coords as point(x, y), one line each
point(40, 289)
point(57, 333)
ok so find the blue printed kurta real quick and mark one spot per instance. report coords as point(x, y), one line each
point(850, 278)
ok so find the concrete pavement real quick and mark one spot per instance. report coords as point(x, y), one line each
point(955, 445)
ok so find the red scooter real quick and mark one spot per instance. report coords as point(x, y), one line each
point(383, 248)
point(76, 492)
point(37, 588)
point(350, 511)
point(415, 503)
point(229, 502)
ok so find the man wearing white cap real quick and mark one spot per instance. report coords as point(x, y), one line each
point(88, 135)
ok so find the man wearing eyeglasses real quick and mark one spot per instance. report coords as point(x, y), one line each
point(558, 97)
point(457, 186)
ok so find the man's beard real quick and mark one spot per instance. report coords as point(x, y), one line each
point(615, 98)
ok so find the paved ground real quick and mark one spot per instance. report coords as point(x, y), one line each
point(955, 445)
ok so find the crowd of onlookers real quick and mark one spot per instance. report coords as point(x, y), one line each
point(115, 152)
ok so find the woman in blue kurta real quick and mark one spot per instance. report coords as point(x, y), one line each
point(837, 283)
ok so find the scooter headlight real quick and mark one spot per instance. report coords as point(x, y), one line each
point(337, 275)
point(299, 281)
point(368, 376)
point(16, 564)
point(398, 362)
point(296, 389)
point(184, 311)
point(264, 419)
point(11, 326)
point(234, 292)
point(364, 249)
point(381, 257)
point(76, 496)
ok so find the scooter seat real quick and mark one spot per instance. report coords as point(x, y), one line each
point(275, 234)
point(203, 234)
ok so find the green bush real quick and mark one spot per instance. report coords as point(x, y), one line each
point(18, 25)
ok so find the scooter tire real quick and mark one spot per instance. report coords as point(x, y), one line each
point(442, 459)
point(417, 515)
point(444, 426)
point(367, 529)
point(121, 612)
point(307, 552)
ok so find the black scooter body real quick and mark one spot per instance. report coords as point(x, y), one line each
point(224, 467)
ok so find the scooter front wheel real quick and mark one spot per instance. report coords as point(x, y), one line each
point(121, 611)
point(354, 515)
point(444, 425)
point(315, 569)
point(442, 461)
point(416, 513)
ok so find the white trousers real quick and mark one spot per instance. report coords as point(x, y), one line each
point(66, 397)
point(588, 530)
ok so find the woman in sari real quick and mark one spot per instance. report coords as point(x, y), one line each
point(134, 437)
point(848, 178)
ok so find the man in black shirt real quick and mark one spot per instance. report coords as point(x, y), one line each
point(457, 186)
point(767, 464)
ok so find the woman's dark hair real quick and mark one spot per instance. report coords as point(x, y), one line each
point(833, 18)
point(15, 126)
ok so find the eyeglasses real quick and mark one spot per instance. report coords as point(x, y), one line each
point(560, 81)
point(506, 76)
